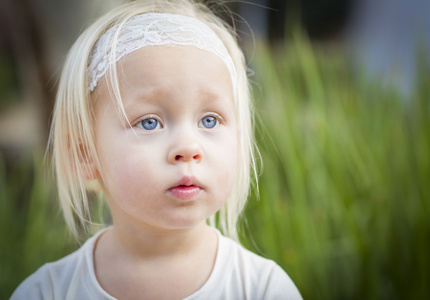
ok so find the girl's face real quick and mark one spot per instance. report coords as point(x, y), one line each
point(175, 164)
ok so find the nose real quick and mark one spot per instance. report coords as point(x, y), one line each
point(185, 150)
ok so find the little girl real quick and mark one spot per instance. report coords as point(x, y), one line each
point(153, 107)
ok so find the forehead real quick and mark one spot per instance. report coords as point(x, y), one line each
point(172, 61)
point(169, 70)
point(156, 66)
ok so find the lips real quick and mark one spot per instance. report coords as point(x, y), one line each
point(186, 189)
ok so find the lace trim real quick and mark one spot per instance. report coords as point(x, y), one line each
point(154, 29)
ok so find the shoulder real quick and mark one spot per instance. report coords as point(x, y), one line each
point(57, 280)
point(49, 279)
point(37, 286)
point(260, 278)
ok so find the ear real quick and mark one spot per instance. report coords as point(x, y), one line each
point(82, 163)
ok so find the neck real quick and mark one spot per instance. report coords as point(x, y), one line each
point(142, 242)
point(152, 242)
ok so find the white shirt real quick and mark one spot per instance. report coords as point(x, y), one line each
point(237, 274)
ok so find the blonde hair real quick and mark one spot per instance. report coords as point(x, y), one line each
point(72, 136)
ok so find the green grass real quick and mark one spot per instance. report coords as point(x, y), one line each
point(345, 193)
point(344, 200)
point(31, 228)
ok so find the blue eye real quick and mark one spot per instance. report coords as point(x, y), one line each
point(150, 124)
point(209, 122)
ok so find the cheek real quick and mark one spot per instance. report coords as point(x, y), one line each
point(228, 162)
point(124, 172)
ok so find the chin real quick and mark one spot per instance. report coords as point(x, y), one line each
point(185, 222)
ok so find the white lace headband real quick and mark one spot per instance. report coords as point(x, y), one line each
point(154, 29)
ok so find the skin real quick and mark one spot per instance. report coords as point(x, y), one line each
point(162, 184)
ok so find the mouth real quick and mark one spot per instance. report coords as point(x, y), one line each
point(187, 189)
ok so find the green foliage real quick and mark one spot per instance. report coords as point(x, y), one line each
point(31, 228)
point(344, 195)
point(8, 79)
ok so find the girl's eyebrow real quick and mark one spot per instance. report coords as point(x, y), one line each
point(147, 95)
point(211, 93)
point(154, 95)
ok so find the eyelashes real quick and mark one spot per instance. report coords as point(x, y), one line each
point(210, 121)
point(153, 122)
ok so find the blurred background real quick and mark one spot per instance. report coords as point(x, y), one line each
point(342, 94)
